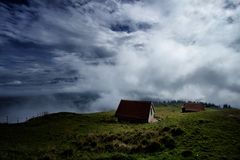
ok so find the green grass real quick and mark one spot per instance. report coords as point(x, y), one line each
point(212, 134)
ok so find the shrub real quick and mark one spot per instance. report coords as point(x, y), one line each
point(67, 153)
point(45, 157)
point(116, 156)
point(108, 137)
point(109, 147)
point(202, 121)
point(79, 144)
point(166, 129)
point(144, 141)
point(137, 148)
point(120, 146)
point(168, 142)
point(148, 134)
point(176, 132)
point(153, 146)
point(186, 153)
point(120, 156)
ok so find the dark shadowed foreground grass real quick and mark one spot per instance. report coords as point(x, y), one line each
point(212, 134)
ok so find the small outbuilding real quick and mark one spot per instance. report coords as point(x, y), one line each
point(135, 111)
point(193, 107)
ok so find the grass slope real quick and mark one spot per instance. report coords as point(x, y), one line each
point(212, 134)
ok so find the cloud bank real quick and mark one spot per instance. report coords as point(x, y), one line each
point(118, 49)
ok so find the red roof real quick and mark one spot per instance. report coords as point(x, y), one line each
point(193, 107)
point(134, 109)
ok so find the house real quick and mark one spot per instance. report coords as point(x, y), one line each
point(135, 111)
point(192, 107)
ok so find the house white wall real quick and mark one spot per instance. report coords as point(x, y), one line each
point(151, 114)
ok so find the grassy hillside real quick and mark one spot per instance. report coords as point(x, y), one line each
point(212, 134)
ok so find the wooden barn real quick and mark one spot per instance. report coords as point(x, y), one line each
point(193, 107)
point(135, 111)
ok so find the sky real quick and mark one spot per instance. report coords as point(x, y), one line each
point(121, 49)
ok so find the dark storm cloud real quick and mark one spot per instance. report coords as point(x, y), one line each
point(15, 2)
point(231, 4)
point(122, 49)
point(129, 27)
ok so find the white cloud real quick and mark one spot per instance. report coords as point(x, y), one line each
point(187, 47)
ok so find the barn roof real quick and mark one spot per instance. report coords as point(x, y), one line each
point(193, 107)
point(134, 109)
